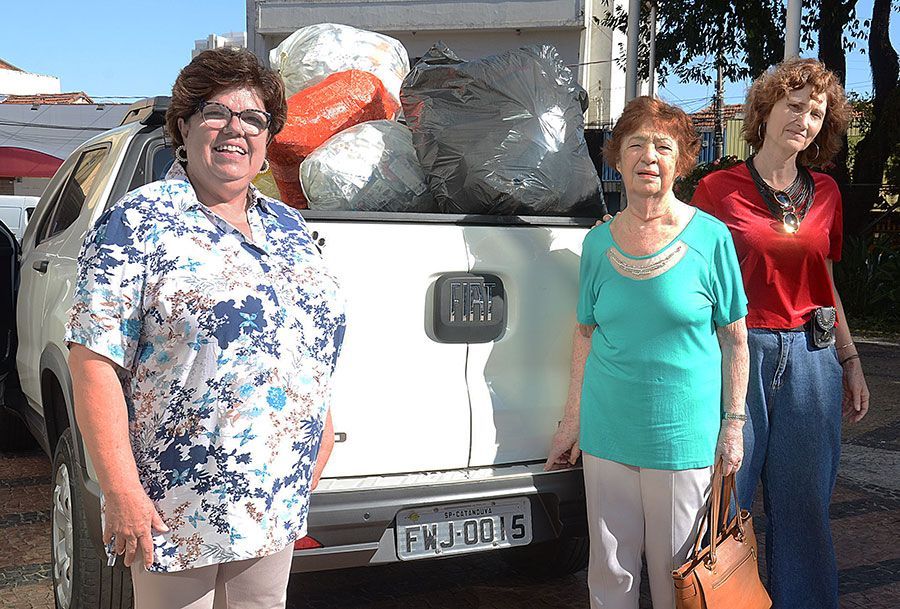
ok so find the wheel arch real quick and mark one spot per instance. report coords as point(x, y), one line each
point(57, 398)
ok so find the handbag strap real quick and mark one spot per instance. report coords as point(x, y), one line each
point(718, 509)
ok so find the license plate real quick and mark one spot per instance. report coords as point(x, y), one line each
point(457, 529)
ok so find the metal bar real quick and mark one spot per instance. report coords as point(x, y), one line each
point(792, 29)
point(652, 73)
point(631, 53)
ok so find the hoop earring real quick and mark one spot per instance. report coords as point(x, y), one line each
point(265, 166)
point(817, 152)
point(759, 132)
point(181, 154)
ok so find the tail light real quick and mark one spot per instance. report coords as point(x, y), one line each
point(306, 543)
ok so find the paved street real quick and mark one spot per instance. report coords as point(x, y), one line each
point(865, 516)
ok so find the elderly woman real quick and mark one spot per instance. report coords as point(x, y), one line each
point(659, 364)
point(786, 223)
point(203, 335)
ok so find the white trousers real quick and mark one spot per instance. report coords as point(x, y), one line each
point(258, 583)
point(631, 509)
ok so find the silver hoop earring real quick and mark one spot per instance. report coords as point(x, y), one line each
point(759, 132)
point(817, 151)
point(181, 154)
point(265, 166)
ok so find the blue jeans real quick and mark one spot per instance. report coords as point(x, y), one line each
point(792, 442)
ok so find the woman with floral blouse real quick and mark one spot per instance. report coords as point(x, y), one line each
point(203, 335)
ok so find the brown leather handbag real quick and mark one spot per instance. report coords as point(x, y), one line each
point(724, 575)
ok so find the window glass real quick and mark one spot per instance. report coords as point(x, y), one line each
point(81, 183)
point(162, 160)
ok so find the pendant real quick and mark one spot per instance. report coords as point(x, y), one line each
point(791, 223)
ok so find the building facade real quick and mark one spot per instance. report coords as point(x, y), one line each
point(216, 41)
point(472, 28)
point(38, 132)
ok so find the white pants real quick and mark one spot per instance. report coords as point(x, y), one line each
point(632, 509)
point(258, 583)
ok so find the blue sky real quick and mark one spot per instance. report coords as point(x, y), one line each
point(113, 49)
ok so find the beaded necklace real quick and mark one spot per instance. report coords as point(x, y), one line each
point(791, 204)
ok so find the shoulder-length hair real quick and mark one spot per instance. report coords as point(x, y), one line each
point(790, 75)
point(217, 70)
point(659, 116)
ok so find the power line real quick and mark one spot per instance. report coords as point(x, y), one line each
point(46, 126)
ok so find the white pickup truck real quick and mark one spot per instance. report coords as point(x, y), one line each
point(451, 383)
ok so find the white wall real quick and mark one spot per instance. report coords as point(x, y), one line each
point(472, 28)
point(25, 83)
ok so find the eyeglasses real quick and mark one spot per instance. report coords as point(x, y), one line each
point(789, 212)
point(216, 116)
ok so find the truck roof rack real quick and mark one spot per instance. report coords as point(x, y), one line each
point(148, 111)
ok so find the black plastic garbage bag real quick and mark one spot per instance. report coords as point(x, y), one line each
point(501, 135)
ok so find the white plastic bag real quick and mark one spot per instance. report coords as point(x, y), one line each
point(312, 53)
point(368, 167)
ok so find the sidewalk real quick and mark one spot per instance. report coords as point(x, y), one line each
point(865, 516)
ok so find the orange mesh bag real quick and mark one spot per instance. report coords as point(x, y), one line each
point(315, 114)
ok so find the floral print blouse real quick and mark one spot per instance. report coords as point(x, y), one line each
point(226, 347)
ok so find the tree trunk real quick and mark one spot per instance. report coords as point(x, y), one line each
point(833, 18)
point(873, 150)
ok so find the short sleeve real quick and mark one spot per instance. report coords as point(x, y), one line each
point(703, 199)
point(836, 234)
point(730, 301)
point(106, 314)
point(587, 274)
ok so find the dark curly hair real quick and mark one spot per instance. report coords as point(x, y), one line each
point(660, 116)
point(790, 75)
point(217, 70)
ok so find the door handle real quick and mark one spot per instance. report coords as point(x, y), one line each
point(40, 266)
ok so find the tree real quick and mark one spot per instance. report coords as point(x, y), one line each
point(690, 36)
point(882, 141)
point(833, 24)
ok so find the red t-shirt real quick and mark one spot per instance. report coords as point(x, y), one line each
point(785, 275)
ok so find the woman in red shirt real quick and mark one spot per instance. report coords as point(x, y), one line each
point(787, 227)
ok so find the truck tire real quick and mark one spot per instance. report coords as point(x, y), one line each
point(550, 559)
point(81, 580)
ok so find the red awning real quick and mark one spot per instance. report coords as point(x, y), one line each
point(24, 163)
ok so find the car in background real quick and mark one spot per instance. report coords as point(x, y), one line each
point(16, 211)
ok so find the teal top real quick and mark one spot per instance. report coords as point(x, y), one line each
point(652, 393)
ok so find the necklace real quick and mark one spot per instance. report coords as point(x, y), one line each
point(791, 204)
point(647, 268)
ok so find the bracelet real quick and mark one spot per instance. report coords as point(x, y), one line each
point(733, 416)
point(850, 344)
point(848, 358)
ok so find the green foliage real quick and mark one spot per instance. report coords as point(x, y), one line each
point(747, 34)
point(686, 185)
point(868, 277)
point(855, 31)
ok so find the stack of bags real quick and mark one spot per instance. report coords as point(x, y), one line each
point(499, 135)
point(343, 90)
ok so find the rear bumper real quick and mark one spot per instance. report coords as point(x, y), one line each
point(354, 520)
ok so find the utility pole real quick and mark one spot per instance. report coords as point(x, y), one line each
point(792, 28)
point(719, 136)
point(631, 50)
point(652, 72)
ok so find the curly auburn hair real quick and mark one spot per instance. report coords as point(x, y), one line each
point(217, 70)
point(790, 75)
point(662, 117)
